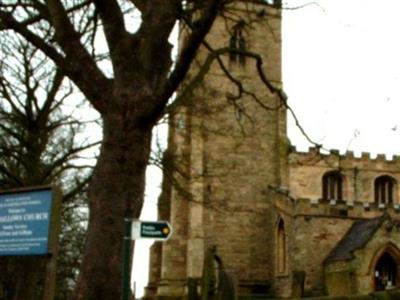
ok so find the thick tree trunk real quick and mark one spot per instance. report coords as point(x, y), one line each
point(116, 192)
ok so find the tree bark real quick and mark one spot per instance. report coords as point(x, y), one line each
point(124, 155)
point(130, 103)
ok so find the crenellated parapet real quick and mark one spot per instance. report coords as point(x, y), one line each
point(366, 159)
point(306, 207)
point(312, 174)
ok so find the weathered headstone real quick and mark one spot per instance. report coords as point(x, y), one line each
point(298, 284)
point(217, 283)
point(209, 278)
point(226, 289)
point(192, 288)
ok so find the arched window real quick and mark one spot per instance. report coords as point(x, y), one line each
point(237, 42)
point(384, 190)
point(332, 186)
point(281, 248)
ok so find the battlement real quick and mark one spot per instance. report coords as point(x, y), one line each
point(333, 208)
point(334, 154)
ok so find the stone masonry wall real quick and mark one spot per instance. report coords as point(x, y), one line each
point(387, 238)
point(313, 239)
point(314, 227)
point(307, 169)
point(360, 271)
point(241, 156)
point(233, 179)
point(229, 151)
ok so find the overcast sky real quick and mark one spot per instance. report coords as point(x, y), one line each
point(341, 71)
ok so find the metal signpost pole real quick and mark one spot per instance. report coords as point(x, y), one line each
point(126, 251)
point(133, 230)
point(29, 227)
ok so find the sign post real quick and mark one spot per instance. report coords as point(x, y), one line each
point(25, 219)
point(54, 231)
point(126, 251)
point(155, 230)
point(29, 226)
point(133, 230)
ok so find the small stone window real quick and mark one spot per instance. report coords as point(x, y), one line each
point(237, 42)
point(281, 248)
point(332, 186)
point(384, 190)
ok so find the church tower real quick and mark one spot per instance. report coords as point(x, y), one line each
point(283, 223)
point(227, 156)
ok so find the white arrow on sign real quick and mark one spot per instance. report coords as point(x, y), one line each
point(155, 230)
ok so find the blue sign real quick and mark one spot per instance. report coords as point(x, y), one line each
point(25, 219)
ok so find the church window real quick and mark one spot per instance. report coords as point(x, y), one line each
point(237, 42)
point(384, 187)
point(332, 186)
point(281, 248)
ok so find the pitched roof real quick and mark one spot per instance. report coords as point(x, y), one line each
point(355, 238)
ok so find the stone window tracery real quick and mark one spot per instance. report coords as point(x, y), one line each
point(237, 41)
point(384, 190)
point(332, 186)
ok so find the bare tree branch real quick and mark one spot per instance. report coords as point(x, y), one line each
point(113, 22)
point(188, 52)
point(82, 69)
point(9, 22)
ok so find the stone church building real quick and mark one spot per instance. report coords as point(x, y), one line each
point(278, 218)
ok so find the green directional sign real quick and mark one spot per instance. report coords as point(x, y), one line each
point(156, 230)
point(136, 229)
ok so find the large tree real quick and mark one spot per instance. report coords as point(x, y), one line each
point(41, 143)
point(131, 97)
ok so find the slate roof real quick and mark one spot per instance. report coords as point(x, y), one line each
point(355, 238)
